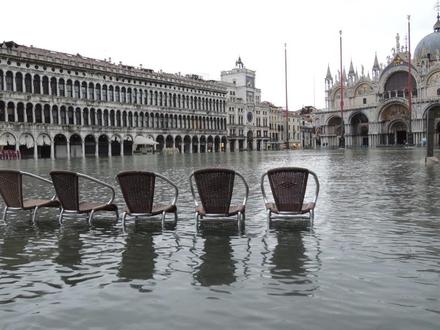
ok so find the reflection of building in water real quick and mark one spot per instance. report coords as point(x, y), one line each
point(217, 266)
point(376, 108)
point(138, 258)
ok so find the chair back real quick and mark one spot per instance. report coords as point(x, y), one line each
point(288, 185)
point(215, 186)
point(11, 188)
point(138, 190)
point(66, 187)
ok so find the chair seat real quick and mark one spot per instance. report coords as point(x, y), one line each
point(157, 209)
point(233, 210)
point(33, 203)
point(307, 207)
point(85, 207)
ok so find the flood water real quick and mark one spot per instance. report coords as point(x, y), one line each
point(371, 260)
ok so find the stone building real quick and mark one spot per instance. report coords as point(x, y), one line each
point(57, 105)
point(247, 119)
point(377, 111)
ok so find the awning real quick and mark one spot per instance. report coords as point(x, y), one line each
point(43, 140)
point(27, 140)
point(144, 140)
point(7, 140)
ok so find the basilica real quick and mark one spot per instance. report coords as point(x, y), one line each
point(387, 107)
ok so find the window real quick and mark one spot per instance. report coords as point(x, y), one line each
point(61, 87)
point(364, 101)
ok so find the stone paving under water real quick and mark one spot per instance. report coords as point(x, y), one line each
point(371, 260)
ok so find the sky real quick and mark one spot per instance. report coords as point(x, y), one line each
point(206, 37)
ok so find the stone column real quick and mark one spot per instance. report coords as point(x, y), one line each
point(52, 150)
point(83, 148)
point(96, 147)
point(14, 87)
point(15, 114)
point(109, 148)
point(35, 150)
point(122, 148)
point(68, 148)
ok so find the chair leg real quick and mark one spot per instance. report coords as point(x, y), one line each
point(5, 213)
point(34, 215)
point(60, 217)
point(197, 221)
point(239, 222)
point(163, 220)
point(123, 218)
point(91, 217)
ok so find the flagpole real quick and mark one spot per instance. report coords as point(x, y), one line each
point(342, 140)
point(287, 103)
point(410, 137)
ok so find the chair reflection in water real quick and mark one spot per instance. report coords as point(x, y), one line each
point(66, 185)
point(11, 189)
point(288, 186)
point(138, 189)
point(215, 187)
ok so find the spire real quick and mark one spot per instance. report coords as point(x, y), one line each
point(239, 64)
point(376, 63)
point(351, 70)
point(437, 24)
point(329, 75)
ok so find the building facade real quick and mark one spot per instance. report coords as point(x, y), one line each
point(248, 118)
point(388, 107)
point(57, 105)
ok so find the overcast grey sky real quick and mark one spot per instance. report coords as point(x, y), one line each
point(206, 37)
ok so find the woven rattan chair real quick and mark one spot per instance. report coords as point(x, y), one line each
point(138, 191)
point(288, 185)
point(66, 185)
point(11, 189)
point(215, 187)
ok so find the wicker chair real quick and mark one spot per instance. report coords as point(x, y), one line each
point(138, 191)
point(66, 185)
point(215, 187)
point(288, 185)
point(11, 189)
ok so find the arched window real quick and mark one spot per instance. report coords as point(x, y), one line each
point(1, 80)
point(28, 83)
point(37, 89)
point(110, 94)
point(53, 86)
point(76, 89)
point(61, 87)
point(117, 95)
point(45, 85)
point(104, 93)
point(84, 90)
point(98, 92)
point(123, 95)
point(69, 90)
point(91, 91)
point(9, 81)
point(19, 82)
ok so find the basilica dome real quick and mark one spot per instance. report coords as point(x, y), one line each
point(429, 46)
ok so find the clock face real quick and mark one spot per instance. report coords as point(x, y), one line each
point(249, 116)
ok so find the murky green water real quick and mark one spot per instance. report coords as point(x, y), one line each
point(372, 260)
